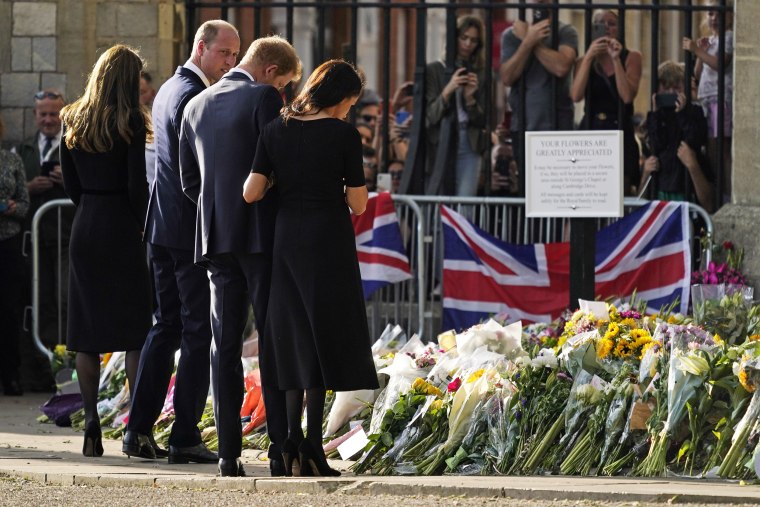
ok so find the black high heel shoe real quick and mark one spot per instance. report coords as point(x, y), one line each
point(313, 461)
point(93, 440)
point(291, 458)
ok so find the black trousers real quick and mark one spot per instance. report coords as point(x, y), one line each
point(182, 307)
point(11, 304)
point(237, 279)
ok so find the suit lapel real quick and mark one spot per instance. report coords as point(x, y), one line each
point(185, 72)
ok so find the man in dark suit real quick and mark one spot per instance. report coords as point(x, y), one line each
point(220, 129)
point(181, 288)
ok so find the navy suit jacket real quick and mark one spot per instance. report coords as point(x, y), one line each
point(170, 220)
point(220, 130)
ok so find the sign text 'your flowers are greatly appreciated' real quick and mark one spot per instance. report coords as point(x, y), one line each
point(574, 173)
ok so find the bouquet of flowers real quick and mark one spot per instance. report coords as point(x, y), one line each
point(690, 360)
point(725, 266)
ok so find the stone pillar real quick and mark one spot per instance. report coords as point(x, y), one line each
point(54, 44)
point(738, 220)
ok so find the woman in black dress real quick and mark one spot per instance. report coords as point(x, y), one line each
point(103, 165)
point(611, 73)
point(317, 322)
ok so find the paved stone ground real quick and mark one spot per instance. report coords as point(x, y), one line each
point(40, 463)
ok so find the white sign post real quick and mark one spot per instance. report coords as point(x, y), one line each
point(573, 174)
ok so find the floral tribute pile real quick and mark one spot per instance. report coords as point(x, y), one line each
point(615, 393)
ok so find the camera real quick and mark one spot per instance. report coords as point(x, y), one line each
point(666, 100)
point(598, 30)
point(540, 14)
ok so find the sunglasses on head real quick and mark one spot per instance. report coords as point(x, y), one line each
point(47, 95)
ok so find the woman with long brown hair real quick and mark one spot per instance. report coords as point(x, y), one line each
point(103, 165)
point(316, 320)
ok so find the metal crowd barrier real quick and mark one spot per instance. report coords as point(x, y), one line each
point(415, 304)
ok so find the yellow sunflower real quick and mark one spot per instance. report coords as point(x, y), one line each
point(604, 347)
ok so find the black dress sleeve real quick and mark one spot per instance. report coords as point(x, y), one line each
point(137, 181)
point(352, 163)
point(262, 162)
point(71, 183)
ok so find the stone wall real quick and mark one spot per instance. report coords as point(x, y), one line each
point(53, 44)
point(739, 220)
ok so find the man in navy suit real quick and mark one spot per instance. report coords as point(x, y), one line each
point(181, 287)
point(220, 129)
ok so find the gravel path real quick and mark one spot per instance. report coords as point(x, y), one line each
point(16, 492)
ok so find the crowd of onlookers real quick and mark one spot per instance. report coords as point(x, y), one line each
point(669, 152)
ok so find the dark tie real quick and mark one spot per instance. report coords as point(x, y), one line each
point(48, 147)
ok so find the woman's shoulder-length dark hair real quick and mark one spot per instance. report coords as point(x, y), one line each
point(329, 85)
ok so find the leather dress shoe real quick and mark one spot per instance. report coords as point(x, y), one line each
point(195, 454)
point(137, 444)
point(232, 467)
point(276, 468)
point(160, 453)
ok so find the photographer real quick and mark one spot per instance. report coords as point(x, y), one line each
point(677, 136)
point(610, 74)
point(459, 101)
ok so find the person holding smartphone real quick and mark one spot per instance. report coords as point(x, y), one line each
point(528, 51)
point(677, 137)
point(611, 75)
point(458, 100)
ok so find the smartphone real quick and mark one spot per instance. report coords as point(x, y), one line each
point(540, 14)
point(665, 100)
point(598, 30)
point(401, 117)
point(384, 182)
point(408, 90)
point(3, 206)
point(47, 167)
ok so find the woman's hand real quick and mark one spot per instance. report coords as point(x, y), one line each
point(614, 48)
point(11, 209)
point(597, 48)
point(687, 156)
point(651, 165)
point(470, 87)
point(689, 45)
point(459, 78)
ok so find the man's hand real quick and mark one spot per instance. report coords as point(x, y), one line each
point(56, 176)
point(537, 33)
point(39, 184)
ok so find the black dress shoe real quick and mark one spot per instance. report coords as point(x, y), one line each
point(277, 468)
point(231, 468)
point(137, 444)
point(160, 453)
point(196, 454)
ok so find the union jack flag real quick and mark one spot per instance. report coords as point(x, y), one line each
point(647, 251)
point(379, 246)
